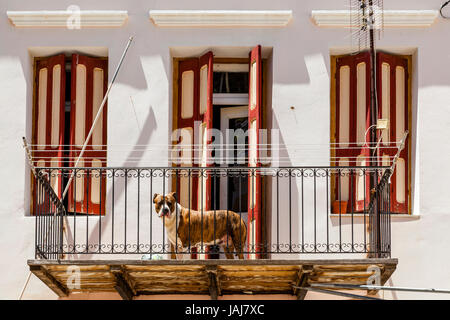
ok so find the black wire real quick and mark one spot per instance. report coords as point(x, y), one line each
point(442, 7)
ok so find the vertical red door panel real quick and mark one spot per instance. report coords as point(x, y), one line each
point(206, 118)
point(393, 75)
point(87, 193)
point(254, 225)
point(188, 111)
point(352, 121)
point(49, 117)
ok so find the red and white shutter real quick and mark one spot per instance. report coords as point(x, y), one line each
point(49, 127)
point(254, 180)
point(206, 124)
point(352, 121)
point(392, 80)
point(188, 79)
point(89, 84)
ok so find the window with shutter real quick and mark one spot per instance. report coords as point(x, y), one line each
point(63, 114)
point(351, 119)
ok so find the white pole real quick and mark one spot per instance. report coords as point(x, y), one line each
point(30, 158)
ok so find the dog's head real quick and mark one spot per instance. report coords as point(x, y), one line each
point(165, 205)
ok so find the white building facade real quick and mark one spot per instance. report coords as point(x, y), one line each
point(303, 47)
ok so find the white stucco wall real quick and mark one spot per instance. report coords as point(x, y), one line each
point(300, 76)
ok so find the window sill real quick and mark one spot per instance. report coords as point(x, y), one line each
point(361, 215)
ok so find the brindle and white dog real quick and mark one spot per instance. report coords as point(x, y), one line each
point(221, 227)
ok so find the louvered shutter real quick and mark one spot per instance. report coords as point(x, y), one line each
point(254, 225)
point(188, 82)
point(352, 121)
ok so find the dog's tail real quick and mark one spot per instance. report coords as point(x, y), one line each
point(239, 236)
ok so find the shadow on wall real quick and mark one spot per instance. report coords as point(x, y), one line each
point(148, 128)
point(282, 223)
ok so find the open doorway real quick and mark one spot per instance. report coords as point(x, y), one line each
point(221, 93)
point(233, 188)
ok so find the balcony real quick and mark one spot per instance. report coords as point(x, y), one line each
point(112, 231)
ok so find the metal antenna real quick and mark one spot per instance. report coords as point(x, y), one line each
point(366, 19)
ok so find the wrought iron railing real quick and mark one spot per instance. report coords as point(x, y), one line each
point(299, 210)
point(50, 213)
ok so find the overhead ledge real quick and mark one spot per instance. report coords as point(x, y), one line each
point(63, 18)
point(392, 18)
point(220, 18)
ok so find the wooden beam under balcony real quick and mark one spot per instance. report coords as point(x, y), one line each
point(302, 281)
point(55, 285)
point(123, 285)
point(214, 283)
point(216, 278)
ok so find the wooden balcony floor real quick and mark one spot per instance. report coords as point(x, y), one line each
point(131, 278)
